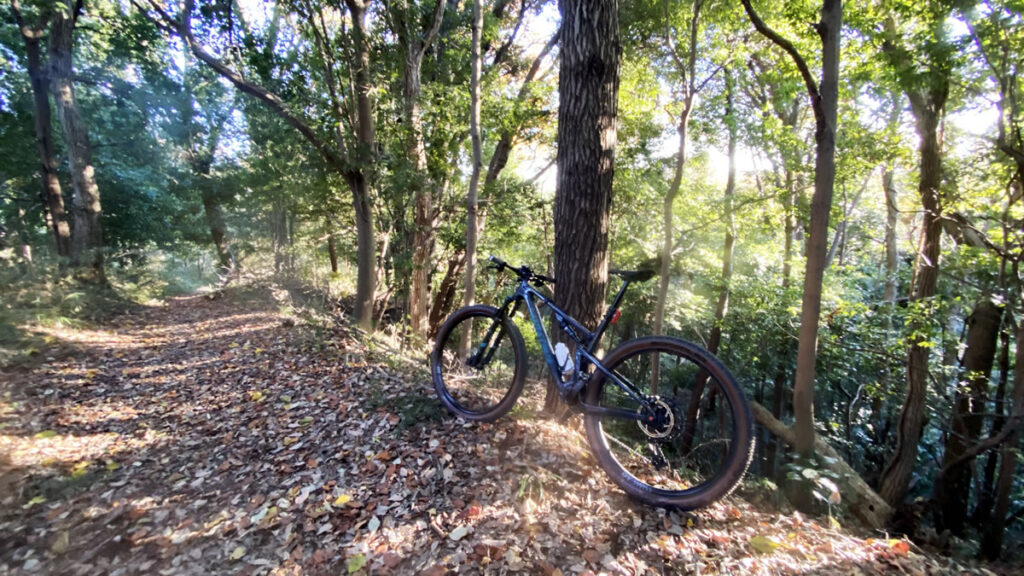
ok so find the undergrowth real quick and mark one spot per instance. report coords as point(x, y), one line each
point(39, 300)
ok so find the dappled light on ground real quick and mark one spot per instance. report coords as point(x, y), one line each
point(210, 437)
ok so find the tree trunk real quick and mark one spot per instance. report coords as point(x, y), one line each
point(992, 533)
point(722, 306)
point(680, 168)
point(444, 300)
point(983, 511)
point(892, 254)
point(358, 179)
point(862, 501)
point(415, 45)
point(86, 230)
point(896, 476)
point(821, 204)
point(953, 488)
point(332, 248)
point(474, 178)
point(665, 264)
point(52, 193)
point(588, 87)
point(784, 351)
point(218, 231)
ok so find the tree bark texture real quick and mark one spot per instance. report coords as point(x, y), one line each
point(588, 87)
point(896, 476)
point(86, 228)
point(53, 196)
point(953, 487)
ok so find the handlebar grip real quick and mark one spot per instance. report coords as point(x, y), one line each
point(546, 279)
point(498, 261)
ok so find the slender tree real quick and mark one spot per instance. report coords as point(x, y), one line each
point(52, 193)
point(824, 101)
point(472, 204)
point(415, 42)
point(927, 89)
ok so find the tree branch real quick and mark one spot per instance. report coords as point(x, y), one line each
point(778, 40)
point(432, 33)
point(184, 31)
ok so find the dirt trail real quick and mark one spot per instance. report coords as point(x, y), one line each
point(212, 437)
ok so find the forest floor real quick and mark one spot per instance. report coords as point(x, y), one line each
point(221, 436)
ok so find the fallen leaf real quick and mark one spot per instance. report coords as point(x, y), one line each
point(356, 563)
point(763, 544)
point(458, 533)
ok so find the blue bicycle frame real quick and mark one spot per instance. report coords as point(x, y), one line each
point(586, 343)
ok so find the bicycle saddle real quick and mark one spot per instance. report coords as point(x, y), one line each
point(634, 275)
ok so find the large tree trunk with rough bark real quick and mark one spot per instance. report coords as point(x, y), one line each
point(86, 228)
point(953, 487)
point(588, 87)
point(53, 196)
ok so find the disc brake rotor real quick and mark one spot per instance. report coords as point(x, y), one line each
point(661, 422)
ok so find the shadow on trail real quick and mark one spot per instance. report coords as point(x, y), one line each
point(207, 437)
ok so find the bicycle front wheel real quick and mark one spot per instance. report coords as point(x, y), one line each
point(478, 364)
point(695, 438)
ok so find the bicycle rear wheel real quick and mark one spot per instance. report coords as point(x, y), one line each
point(478, 364)
point(696, 439)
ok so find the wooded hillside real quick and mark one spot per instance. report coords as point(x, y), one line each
point(833, 196)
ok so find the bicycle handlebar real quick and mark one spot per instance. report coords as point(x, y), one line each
point(522, 272)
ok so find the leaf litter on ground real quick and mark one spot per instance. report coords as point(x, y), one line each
point(209, 437)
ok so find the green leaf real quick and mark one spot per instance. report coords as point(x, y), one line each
point(45, 434)
point(237, 553)
point(763, 544)
point(33, 502)
point(356, 563)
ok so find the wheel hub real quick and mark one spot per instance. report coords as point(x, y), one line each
point(658, 421)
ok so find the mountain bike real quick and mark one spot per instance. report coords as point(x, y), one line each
point(665, 419)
